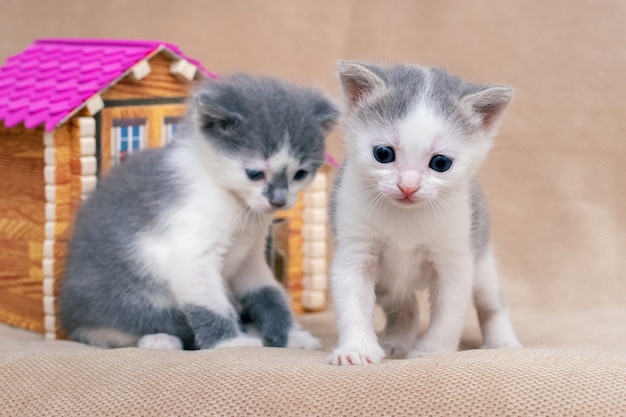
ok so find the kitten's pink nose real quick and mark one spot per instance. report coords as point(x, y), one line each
point(408, 191)
point(409, 182)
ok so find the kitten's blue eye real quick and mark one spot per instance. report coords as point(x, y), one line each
point(300, 174)
point(255, 175)
point(384, 154)
point(440, 163)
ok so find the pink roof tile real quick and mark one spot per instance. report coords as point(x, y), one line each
point(53, 78)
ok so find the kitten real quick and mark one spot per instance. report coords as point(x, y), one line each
point(407, 213)
point(168, 252)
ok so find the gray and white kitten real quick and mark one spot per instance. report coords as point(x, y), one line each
point(168, 252)
point(408, 214)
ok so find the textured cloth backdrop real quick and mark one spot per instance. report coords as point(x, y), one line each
point(555, 181)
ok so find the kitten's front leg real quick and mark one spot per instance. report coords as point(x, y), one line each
point(267, 307)
point(203, 299)
point(265, 303)
point(353, 282)
point(493, 315)
point(402, 325)
point(214, 330)
point(450, 294)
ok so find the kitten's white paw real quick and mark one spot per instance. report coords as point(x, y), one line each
point(342, 357)
point(422, 354)
point(504, 344)
point(499, 333)
point(160, 341)
point(428, 349)
point(396, 347)
point(301, 339)
point(424, 350)
point(240, 341)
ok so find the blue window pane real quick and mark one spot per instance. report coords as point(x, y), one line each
point(174, 127)
point(124, 145)
point(135, 131)
point(136, 144)
point(123, 132)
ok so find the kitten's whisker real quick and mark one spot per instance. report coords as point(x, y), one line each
point(444, 202)
point(370, 198)
point(438, 211)
point(376, 203)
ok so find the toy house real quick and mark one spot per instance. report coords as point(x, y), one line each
point(305, 273)
point(69, 110)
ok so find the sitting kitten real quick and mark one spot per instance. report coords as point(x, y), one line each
point(168, 252)
point(408, 214)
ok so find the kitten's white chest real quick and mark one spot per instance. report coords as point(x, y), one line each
point(405, 242)
point(408, 231)
point(194, 237)
point(402, 268)
point(243, 242)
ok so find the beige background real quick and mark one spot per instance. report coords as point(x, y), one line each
point(556, 179)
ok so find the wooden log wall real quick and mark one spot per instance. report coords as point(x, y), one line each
point(22, 205)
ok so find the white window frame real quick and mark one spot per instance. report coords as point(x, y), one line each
point(123, 130)
point(169, 126)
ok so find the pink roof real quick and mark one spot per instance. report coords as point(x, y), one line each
point(52, 79)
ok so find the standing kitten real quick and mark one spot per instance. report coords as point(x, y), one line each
point(408, 214)
point(169, 251)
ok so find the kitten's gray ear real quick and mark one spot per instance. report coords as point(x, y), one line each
point(212, 117)
point(326, 114)
point(487, 106)
point(357, 81)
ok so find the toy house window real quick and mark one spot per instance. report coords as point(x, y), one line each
point(170, 125)
point(128, 136)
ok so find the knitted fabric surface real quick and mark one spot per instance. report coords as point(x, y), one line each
point(69, 379)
